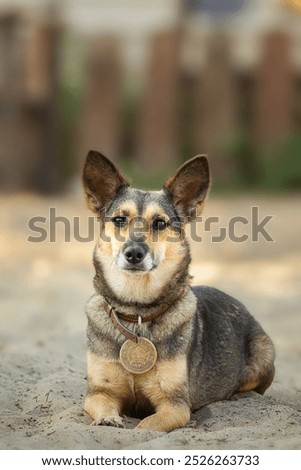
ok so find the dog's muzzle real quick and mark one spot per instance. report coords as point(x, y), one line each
point(135, 256)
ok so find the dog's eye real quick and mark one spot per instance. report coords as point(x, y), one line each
point(119, 221)
point(159, 224)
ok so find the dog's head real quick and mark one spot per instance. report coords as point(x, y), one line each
point(142, 241)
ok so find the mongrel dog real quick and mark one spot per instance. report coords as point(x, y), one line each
point(159, 348)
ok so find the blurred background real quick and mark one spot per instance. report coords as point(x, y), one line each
point(150, 84)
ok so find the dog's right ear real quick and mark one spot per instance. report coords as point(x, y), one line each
point(189, 186)
point(102, 181)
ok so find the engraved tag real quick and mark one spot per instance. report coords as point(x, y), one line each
point(139, 357)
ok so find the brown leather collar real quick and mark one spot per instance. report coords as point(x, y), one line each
point(132, 318)
point(115, 317)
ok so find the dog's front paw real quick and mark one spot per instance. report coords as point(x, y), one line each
point(115, 421)
point(167, 420)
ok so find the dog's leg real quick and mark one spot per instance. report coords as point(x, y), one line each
point(109, 390)
point(104, 410)
point(168, 416)
point(167, 389)
point(259, 371)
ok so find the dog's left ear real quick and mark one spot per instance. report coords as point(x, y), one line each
point(189, 186)
point(102, 181)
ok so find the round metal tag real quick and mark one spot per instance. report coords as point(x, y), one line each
point(139, 357)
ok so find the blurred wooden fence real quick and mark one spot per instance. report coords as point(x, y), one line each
point(29, 112)
point(179, 114)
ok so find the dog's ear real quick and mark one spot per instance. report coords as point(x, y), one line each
point(102, 181)
point(189, 186)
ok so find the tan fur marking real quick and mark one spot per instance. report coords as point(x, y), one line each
point(172, 374)
point(160, 382)
point(175, 251)
point(157, 238)
point(108, 375)
point(128, 207)
point(111, 244)
point(110, 388)
point(99, 406)
point(160, 386)
point(153, 210)
point(105, 248)
point(247, 387)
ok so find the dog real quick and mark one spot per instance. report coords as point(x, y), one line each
point(159, 348)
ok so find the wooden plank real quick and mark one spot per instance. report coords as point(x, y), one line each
point(157, 143)
point(216, 107)
point(100, 127)
point(274, 90)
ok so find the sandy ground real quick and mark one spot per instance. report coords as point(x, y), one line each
point(43, 289)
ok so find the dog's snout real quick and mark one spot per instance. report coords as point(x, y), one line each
point(135, 253)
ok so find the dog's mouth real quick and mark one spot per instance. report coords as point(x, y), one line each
point(138, 269)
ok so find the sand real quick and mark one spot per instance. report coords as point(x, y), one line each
point(43, 290)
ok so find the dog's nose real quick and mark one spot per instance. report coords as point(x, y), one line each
point(135, 253)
